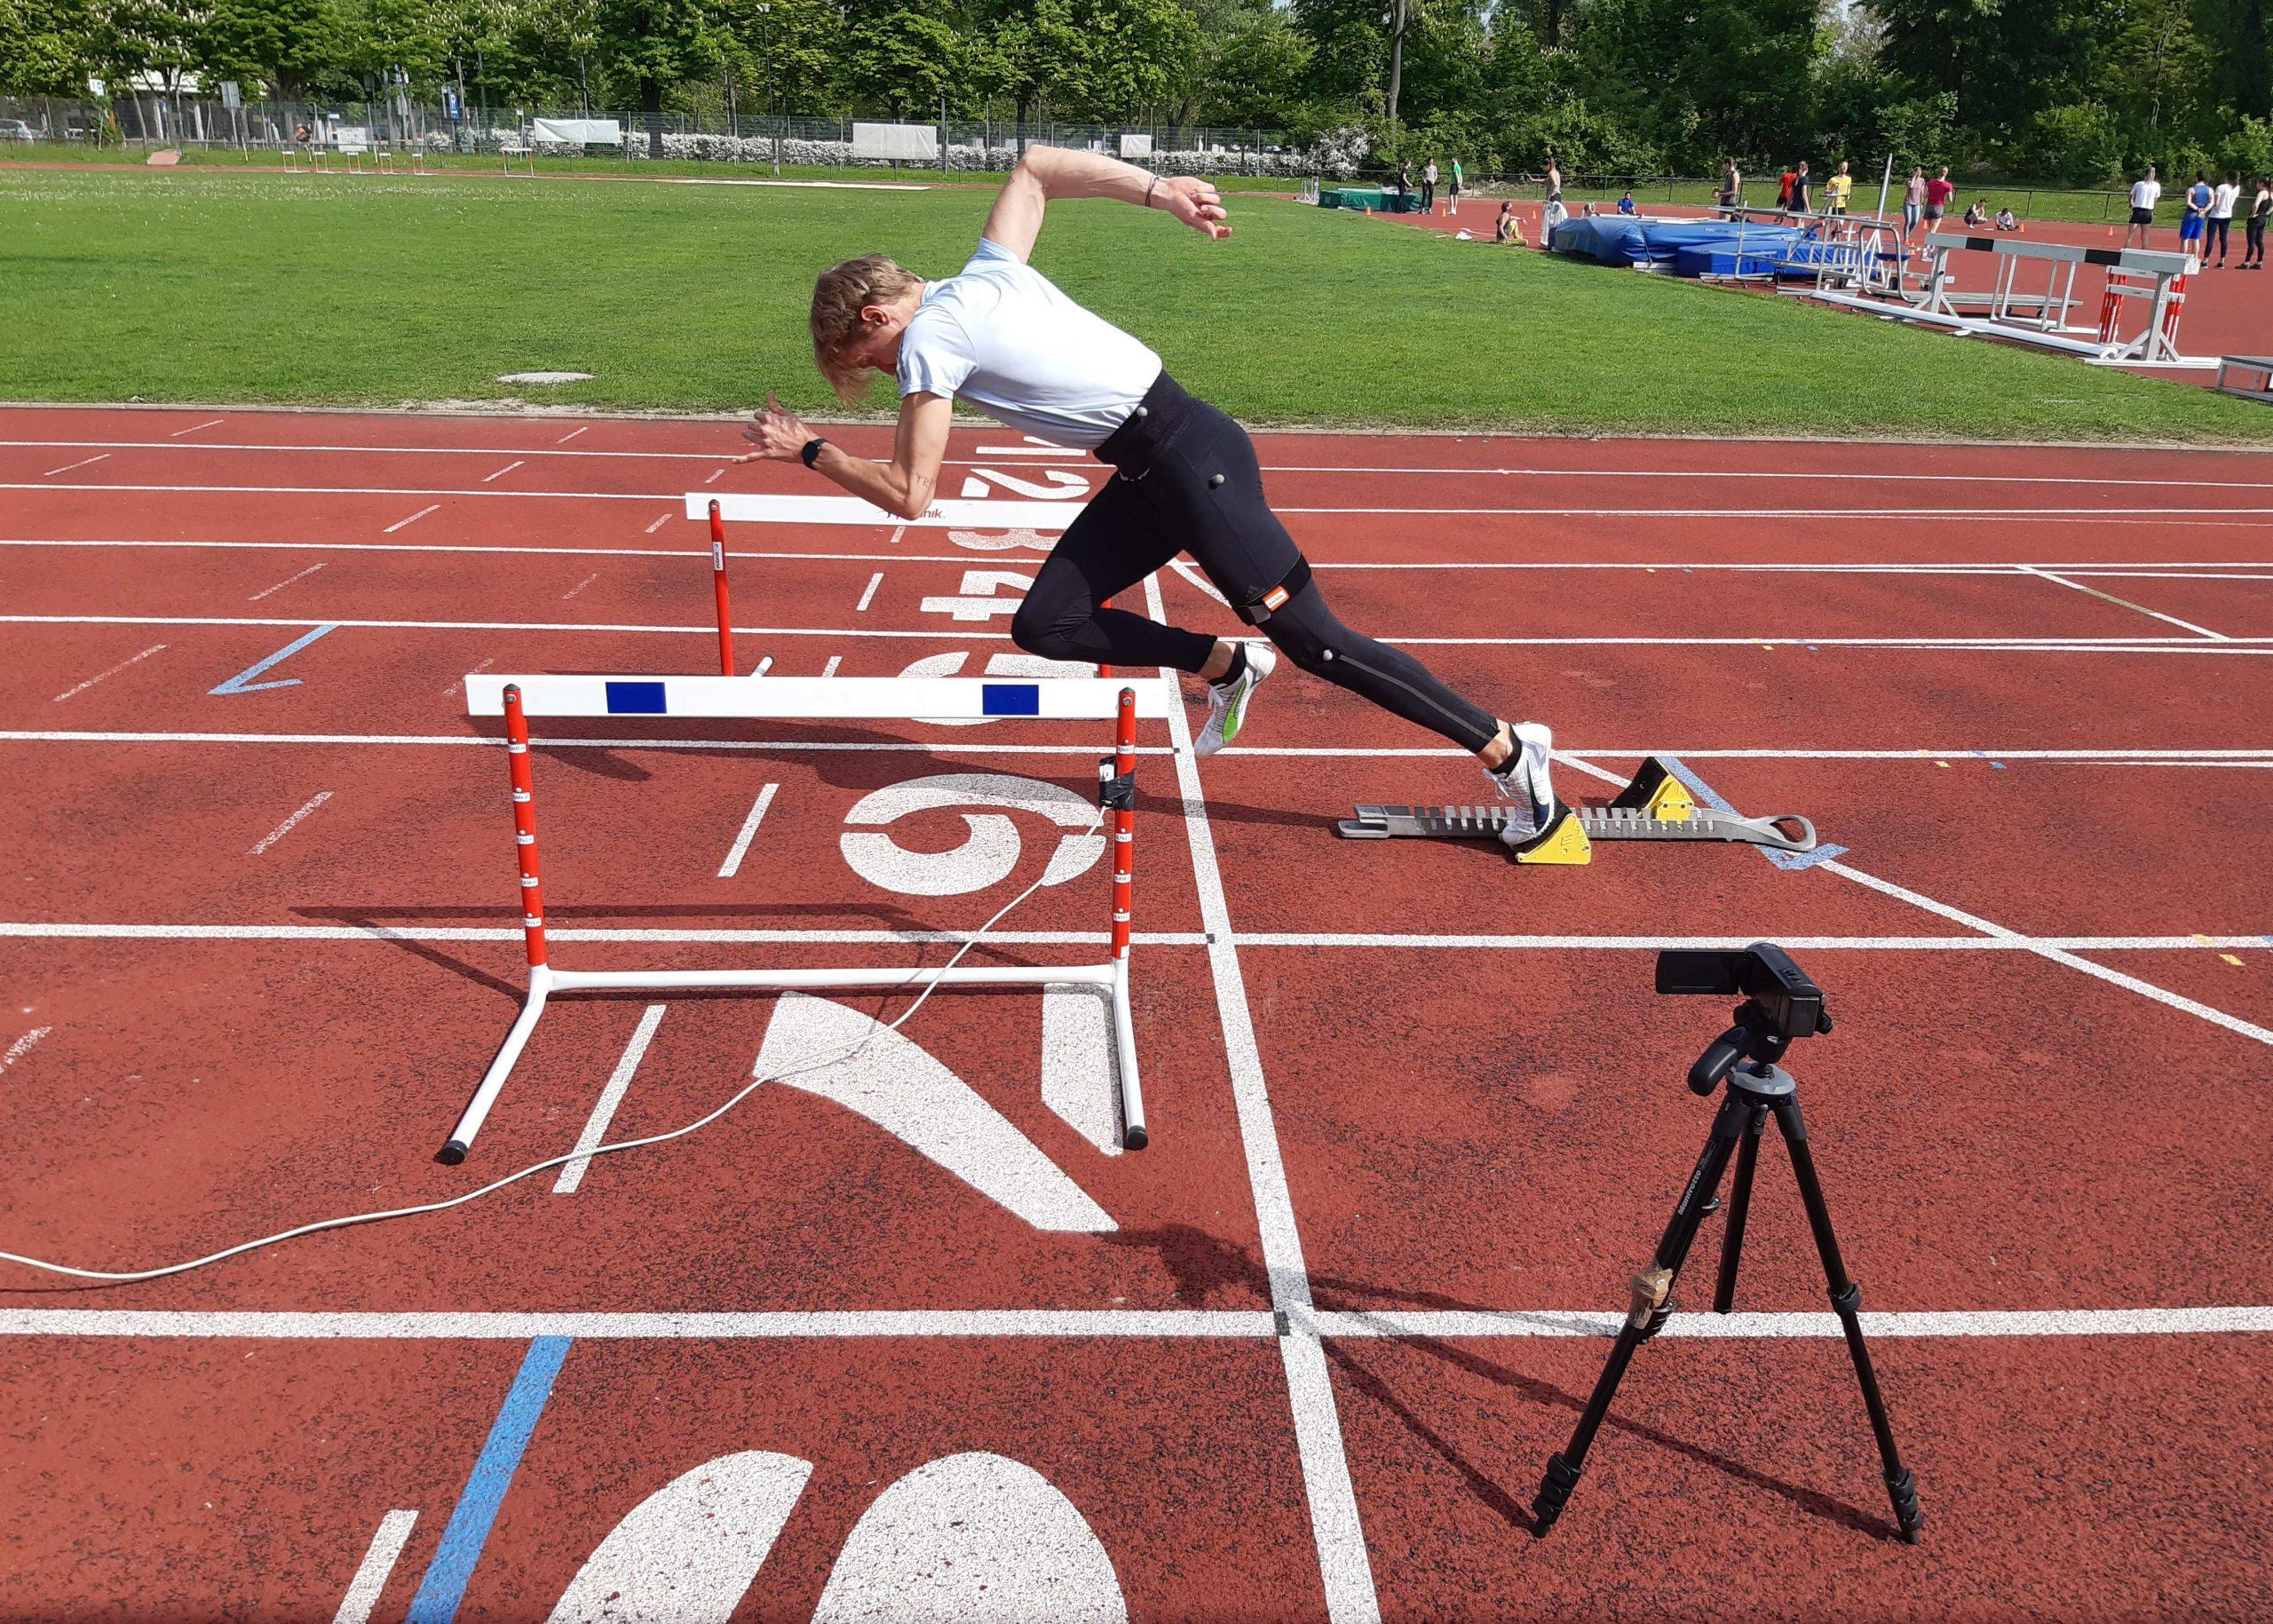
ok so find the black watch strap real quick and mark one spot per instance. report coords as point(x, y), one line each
point(811, 449)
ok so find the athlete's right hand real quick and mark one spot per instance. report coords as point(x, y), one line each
point(1194, 202)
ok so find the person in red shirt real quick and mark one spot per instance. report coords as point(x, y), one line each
point(1938, 193)
point(1784, 192)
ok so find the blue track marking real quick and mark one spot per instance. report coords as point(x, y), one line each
point(444, 1586)
point(1705, 793)
point(636, 699)
point(243, 683)
point(1010, 699)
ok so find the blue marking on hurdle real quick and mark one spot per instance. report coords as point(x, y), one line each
point(444, 1586)
point(635, 699)
point(243, 683)
point(1705, 793)
point(1010, 699)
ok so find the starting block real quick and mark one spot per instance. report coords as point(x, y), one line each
point(1654, 805)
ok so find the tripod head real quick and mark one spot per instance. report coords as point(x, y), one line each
point(1780, 1004)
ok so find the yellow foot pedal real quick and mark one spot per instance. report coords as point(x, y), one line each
point(1654, 793)
point(1564, 843)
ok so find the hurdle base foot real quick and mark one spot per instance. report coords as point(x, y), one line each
point(1135, 1139)
point(451, 1154)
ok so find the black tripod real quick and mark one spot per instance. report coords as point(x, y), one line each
point(1782, 1004)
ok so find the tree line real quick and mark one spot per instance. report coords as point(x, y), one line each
point(2082, 92)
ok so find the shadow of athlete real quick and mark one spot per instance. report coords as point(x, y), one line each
point(1004, 338)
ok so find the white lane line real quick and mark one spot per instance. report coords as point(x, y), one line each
point(2168, 620)
point(834, 662)
point(400, 523)
point(868, 596)
point(486, 663)
point(580, 586)
point(507, 469)
point(291, 823)
point(154, 648)
point(208, 424)
point(83, 462)
point(2207, 570)
point(570, 435)
point(2249, 645)
point(962, 514)
point(926, 746)
point(895, 535)
point(370, 1581)
point(1336, 1527)
point(986, 454)
point(23, 1046)
point(1246, 1325)
point(280, 585)
point(595, 1134)
point(733, 865)
point(375, 931)
point(379, 931)
point(2058, 955)
point(709, 479)
point(659, 524)
point(842, 633)
point(2112, 755)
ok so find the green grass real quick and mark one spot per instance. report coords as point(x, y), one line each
point(602, 161)
point(381, 291)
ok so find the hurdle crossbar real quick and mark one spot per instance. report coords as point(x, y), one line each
point(517, 699)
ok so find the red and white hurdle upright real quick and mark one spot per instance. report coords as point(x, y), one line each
point(933, 698)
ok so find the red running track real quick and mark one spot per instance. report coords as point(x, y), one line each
point(1416, 1114)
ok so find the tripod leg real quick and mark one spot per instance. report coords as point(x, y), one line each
point(1652, 1290)
point(1725, 1290)
point(1847, 1301)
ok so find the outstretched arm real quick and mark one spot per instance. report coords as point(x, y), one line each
point(1045, 173)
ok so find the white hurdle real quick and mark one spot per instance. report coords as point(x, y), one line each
point(758, 697)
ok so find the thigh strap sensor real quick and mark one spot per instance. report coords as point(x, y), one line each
point(1275, 597)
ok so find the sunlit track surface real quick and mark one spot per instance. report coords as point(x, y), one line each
point(1417, 1115)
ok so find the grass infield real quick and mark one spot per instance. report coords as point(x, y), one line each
point(377, 290)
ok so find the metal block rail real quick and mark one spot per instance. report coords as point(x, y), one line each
point(517, 698)
point(1654, 805)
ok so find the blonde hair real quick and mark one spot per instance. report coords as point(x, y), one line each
point(840, 294)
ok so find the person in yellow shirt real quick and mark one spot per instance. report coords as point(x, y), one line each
point(1838, 189)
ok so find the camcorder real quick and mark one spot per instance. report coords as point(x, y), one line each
point(1781, 1004)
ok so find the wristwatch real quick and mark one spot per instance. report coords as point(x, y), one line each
point(811, 449)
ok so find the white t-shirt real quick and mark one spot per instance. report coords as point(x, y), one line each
point(2222, 200)
point(1001, 335)
point(2144, 193)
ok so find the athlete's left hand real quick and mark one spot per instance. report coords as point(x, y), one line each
point(776, 433)
point(1194, 202)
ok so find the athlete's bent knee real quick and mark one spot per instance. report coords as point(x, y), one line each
point(1050, 630)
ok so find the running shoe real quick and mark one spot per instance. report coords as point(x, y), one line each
point(1227, 700)
point(1524, 779)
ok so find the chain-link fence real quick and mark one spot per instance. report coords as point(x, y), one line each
point(152, 120)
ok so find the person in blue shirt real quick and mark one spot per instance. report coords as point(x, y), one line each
point(2190, 221)
point(1626, 202)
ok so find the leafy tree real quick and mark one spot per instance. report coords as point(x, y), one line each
point(656, 43)
point(44, 48)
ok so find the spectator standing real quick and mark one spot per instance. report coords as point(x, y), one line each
point(1404, 184)
point(2223, 196)
point(2252, 257)
point(1784, 191)
point(1837, 190)
point(1800, 188)
point(1913, 203)
point(2146, 192)
point(1732, 195)
point(2191, 214)
point(1554, 180)
point(1456, 180)
point(1939, 190)
point(1429, 187)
